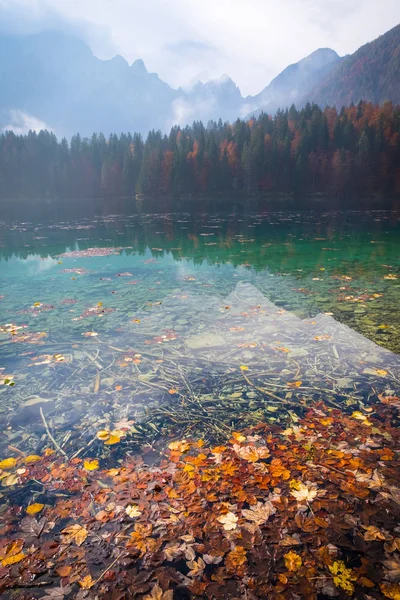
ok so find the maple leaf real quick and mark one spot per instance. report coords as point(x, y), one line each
point(390, 590)
point(251, 453)
point(196, 567)
point(91, 465)
point(179, 446)
point(343, 577)
point(74, 533)
point(392, 566)
point(212, 560)
point(373, 533)
point(133, 511)
point(57, 592)
point(172, 552)
point(236, 558)
point(303, 492)
point(158, 594)
point(229, 521)
point(260, 513)
point(293, 561)
point(86, 583)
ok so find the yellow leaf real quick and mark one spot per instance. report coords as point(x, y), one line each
point(391, 590)
point(294, 384)
point(103, 435)
point(8, 463)
point(12, 479)
point(244, 368)
point(179, 446)
point(293, 561)
point(12, 560)
point(32, 458)
point(133, 511)
point(75, 533)
point(86, 583)
point(381, 372)
point(91, 465)
point(228, 521)
point(239, 437)
point(33, 509)
point(343, 577)
point(113, 439)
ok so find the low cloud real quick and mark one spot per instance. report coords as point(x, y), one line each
point(22, 123)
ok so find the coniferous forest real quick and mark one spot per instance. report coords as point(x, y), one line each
point(308, 151)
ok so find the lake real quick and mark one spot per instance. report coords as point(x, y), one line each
point(119, 332)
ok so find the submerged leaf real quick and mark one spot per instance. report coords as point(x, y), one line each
point(33, 509)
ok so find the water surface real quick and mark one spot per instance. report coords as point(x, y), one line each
point(162, 326)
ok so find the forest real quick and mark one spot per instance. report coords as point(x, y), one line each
point(337, 153)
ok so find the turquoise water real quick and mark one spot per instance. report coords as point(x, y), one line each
point(157, 326)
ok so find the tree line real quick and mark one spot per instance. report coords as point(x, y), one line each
point(352, 151)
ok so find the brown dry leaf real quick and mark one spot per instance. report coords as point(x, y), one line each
point(373, 533)
point(196, 567)
point(64, 570)
point(251, 453)
point(260, 513)
point(158, 594)
point(293, 561)
point(393, 569)
point(74, 533)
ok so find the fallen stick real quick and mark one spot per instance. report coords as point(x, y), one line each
point(49, 434)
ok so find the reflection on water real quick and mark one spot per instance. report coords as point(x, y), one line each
point(140, 326)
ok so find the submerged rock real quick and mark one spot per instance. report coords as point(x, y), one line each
point(205, 340)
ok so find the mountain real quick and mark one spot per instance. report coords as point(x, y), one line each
point(57, 79)
point(372, 73)
point(295, 81)
point(54, 81)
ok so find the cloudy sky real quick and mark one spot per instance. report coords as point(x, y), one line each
point(187, 40)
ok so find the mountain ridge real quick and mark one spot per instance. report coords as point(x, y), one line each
point(56, 80)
